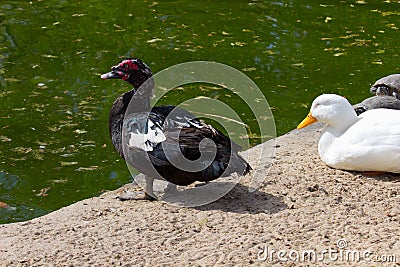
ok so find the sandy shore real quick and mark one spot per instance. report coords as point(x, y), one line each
point(303, 208)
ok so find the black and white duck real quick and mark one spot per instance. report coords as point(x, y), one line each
point(156, 137)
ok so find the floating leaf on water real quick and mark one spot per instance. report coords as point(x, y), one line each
point(53, 129)
point(300, 64)
point(390, 13)
point(4, 93)
point(3, 205)
point(40, 143)
point(18, 159)
point(84, 146)
point(22, 150)
point(349, 36)
point(37, 155)
point(49, 56)
point(43, 192)
point(359, 42)
point(378, 62)
point(327, 19)
point(152, 41)
point(264, 118)
point(5, 138)
point(392, 26)
point(339, 54)
point(249, 69)
point(304, 105)
point(87, 117)
point(67, 155)
point(68, 124)
point(87, 142)
point(90, 168)
point(79, 15)
point(59, 181)
point(68, 163)
point(238, 44)
point(78, 131)
point(33, 94)
point(225, 33)
point(11, 79)
point(120, 28)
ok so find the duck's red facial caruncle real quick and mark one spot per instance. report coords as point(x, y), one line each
point(128, 64)
point(121, 71)
point(132, 70)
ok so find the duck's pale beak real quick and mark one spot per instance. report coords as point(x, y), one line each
point(111, 75)
point(307, 121)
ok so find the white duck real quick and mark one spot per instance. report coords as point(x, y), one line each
point(369, 142)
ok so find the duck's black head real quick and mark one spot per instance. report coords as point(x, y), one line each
point(132, 70)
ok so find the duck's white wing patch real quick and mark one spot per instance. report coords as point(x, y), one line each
point(146, 141)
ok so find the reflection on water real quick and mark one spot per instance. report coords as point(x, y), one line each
point(54, 143)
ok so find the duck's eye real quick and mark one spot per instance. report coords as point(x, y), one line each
point(126, 66)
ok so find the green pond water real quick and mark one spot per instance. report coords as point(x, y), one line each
point(55, 147)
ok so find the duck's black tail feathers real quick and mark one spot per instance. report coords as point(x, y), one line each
point(240, 165)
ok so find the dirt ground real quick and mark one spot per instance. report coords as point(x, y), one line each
point(303, 214)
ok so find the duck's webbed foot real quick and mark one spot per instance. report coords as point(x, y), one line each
point(148, 191)
point(130, 195)
point(171, 189)
point(136, 193)
point(149, 197)
point(201, 184)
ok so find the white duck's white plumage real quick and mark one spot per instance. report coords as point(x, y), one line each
point(369, 142)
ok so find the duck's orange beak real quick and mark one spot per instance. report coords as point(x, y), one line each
point(307, 121)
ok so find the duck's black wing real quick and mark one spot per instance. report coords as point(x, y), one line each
point(174, 132)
